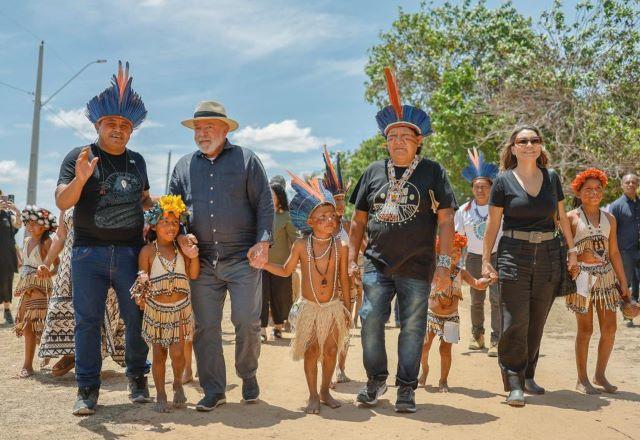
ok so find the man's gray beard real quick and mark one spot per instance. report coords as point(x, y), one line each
point(215, 145)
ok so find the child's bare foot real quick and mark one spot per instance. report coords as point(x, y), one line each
point(313, 405)
point(443, 387)
point(332, 385)
point(341, 377)
point(179, 398)
point(24, 373)
point(187, 376)
point(422, 381)
point(328, 400)
point(602, 381)
point(161, 405)
point(586, 387)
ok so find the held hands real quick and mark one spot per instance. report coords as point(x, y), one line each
point(572, 264)
point(84, 167)
point(258, 255)
point(353, 269)
point(188, 245)
point(483, 283)
point(43, 271)
point(489, 272)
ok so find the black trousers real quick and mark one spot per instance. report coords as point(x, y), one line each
point(277, 293)
point(529, 276)
point(6, 286)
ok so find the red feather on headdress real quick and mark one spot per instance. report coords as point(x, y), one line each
point(394, 92)
point(123, 78)
point(332, 180)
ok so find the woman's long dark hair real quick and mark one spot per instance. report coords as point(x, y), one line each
point(281, 195)
point(508, 160)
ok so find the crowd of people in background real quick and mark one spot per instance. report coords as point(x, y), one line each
point(125, 273)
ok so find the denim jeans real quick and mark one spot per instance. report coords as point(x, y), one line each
point(631, 263)
point(413, 296)
point(93, 270)
point(529, 276)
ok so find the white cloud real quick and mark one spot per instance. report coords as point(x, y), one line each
point(281, 136)
point(76, 120)
point(346, 67)
point(267, 160)
point(11, 172)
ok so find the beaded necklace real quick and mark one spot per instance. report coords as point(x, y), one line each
point(168, 265)
point(390, 211)
point(595, 234)
point(310, 255)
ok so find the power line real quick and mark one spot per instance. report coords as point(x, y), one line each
point(17, 88)
point(56, 114)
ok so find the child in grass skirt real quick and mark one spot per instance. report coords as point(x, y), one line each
point(162, 290)
point(33, 291)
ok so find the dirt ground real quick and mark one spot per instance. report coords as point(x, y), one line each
point(40, 407)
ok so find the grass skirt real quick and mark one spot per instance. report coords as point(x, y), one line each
point(317, 322)
point(163, 323)
point(435, 322)
point(32, 308)
point(603, 293)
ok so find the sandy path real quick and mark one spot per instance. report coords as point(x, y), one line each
point(40, 407)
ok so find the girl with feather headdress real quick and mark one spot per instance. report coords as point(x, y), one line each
point(471, 222)
point(320, 317)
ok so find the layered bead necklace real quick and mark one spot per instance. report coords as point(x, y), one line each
point(312, 257)
point(390, 211)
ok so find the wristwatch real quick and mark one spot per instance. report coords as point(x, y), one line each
point(443, 261)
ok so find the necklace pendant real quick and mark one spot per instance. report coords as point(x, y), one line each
point(324, 282)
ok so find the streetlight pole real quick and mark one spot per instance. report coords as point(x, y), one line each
point(32, 184)
point(35, 134)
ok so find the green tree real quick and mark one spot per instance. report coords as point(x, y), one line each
point(481, 71)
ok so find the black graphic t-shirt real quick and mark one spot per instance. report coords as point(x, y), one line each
point(406, 245)
point(109, 211)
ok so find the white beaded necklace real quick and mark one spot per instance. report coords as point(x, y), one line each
point(335, 271)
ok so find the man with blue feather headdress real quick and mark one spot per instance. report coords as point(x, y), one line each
point(401, 202)
point(471, 221)
point(108, 185)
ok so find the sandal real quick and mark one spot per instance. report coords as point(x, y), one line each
point(277, 333)
point(263, 339)
point(63, 366)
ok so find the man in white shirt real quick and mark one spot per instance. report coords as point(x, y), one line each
point(471, 221)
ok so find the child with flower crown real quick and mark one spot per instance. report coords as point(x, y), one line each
point(33, 292)
point(162, 290)
point(442, 317)
point(321, 318)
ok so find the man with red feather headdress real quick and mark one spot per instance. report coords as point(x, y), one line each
point(401, 202)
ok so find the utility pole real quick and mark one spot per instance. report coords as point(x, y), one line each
point(166, 185)
point(32, 185)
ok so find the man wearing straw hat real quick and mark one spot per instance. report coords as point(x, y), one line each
point(227, 193)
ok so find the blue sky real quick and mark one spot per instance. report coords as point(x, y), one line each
point(290, 72)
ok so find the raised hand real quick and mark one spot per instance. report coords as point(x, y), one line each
point(84, 167)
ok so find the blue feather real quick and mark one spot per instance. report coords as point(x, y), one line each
point(304, 202)
point(410, 114)
point(484, 169)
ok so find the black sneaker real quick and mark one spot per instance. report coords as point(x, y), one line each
point(406, 402)
point(86, 401)
point(209, 402)
point(8, 318)
point(250, 390)
point(371, 392)
point(139, 390)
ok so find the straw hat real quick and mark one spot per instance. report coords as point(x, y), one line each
point(210, 110)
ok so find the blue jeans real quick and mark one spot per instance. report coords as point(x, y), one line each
point(413, 296)
point(631, 263)
point(93, 271)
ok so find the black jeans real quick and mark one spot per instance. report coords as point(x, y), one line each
point(277, 294)
point(529, 275)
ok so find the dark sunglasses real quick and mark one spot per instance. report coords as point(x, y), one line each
point(522, 142)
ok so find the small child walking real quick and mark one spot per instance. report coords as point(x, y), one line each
point(320, 317)
point(33, 291)
point(162, 290)
point(442, 317)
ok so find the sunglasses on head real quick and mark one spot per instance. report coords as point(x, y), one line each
point(523, 142)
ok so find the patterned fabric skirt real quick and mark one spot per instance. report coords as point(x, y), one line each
point(596, 285)
point(165, 323)
point(439, 324)
point(317, 322)
point(32, 309)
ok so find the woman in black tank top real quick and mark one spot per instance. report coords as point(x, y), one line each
point(528, 196)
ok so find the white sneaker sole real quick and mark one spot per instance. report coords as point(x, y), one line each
point(379, 394)
point(211, 408)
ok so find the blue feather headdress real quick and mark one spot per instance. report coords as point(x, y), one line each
point(398, 114)
point(307, 198)
point(478, 168)
point(333, 175)
point(118, 100)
